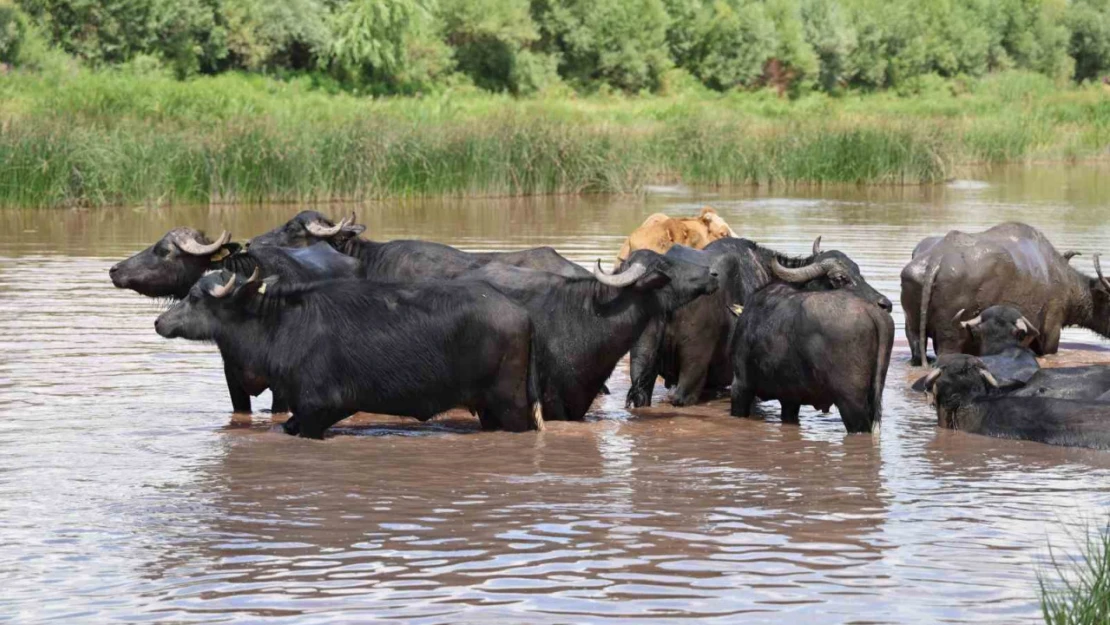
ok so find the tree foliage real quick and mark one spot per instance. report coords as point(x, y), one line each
point(523, 46)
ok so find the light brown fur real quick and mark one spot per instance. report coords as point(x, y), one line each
point(659, 232)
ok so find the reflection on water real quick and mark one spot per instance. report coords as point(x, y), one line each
point(127, 492)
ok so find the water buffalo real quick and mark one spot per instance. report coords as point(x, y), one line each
point(659, 232)
point(341, 346)
point(1011, 263)
point(818, 348)
point(1000, 336)
point(690, 348)
point(585, 325)
point(171, 267)
point(406, 260)
point(967, 398)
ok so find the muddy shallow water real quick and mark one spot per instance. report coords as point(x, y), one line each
point(128, 493)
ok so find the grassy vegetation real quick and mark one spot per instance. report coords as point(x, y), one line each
point(84, 137)
point(1077, 592)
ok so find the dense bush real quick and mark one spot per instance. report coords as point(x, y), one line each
point(524, 46)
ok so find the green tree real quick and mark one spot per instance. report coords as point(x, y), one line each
point(619, 42)
point(1089, 23)
point(492, 40)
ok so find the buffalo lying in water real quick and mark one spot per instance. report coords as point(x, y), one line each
point(1001, 336)
point(171, 267)
point(406, 260)
point(341, 346)
point(690, 348)
point(1012, 264)
point(967, 398)
point(585, 325)
point(818, 348)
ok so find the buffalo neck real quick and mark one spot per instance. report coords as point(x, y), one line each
point(1082, 309)
point(367, 252)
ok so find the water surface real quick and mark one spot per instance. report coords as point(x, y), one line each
point(128, 494)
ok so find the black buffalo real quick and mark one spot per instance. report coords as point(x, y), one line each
point(585, 325)
point(1012, 264)
point(171, 267)
point(1000, 336)
point(818, 348)
point(341, 346)
point(406, 259)
point(968, 398)
point(690, 348)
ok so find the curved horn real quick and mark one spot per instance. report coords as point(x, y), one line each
point(799, 274)
point(1098, 270)
point(622, 279)
point(931, 378)
point(192, 246)
point(971, 323)
point(317, 230)
point(817, 246)
point(988, 377)
point(1026, 326)
point(956, 319)
point(1070, 254)
point(254, 276)
point(222, 291)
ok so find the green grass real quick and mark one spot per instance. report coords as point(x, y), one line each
point(97, 138)
point(1077, 591)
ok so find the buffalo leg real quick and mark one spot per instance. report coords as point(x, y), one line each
point(489, 421)
point(1049, 341)
point(914, 339)
point(742, 395)
point(691, 382)
point(280, 404)
point(313, 423)
point(855, 416)
point(790, 412)
point(643, 364)
point(240, 399)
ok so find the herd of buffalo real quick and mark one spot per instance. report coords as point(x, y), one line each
point(334, 324)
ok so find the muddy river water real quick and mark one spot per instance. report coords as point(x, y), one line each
point(129, 494)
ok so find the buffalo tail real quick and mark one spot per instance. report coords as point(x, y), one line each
point(923, 322)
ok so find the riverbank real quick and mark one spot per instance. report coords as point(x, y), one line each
point(102, 138)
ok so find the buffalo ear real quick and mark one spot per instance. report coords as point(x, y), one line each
point(652, 281)
point(226, 250)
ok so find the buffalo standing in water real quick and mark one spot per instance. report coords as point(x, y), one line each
point(690, 347)
point(1012, 264)
point(818, 348)
point(337, 347)
point(171, 267)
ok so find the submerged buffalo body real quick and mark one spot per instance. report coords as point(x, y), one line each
point(585, 325)
point(690, 348)
point(1000, 336)
point(967, 398)
point(342, 346)
point(1012, 264)
point(171, 267)
point(818, 348)
point(406, 260)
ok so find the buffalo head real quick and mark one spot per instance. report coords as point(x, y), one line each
point(308, 228)
point(677, 282)
point(830, 270)
point(173, 264)
point(210, 305)
point(955, 379)
point(999, 327)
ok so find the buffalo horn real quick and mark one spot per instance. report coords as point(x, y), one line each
point(254, 276)
point(194, 247)
point(1098, 270)
point(817, 246)
point(222, 291)
point(931, 378)
point(988, 377)
point(316, 229)
point(1026, 326)
point(956, 319)
point(1070, 254)
point(622, 279)
point(799, 274)
point(971, 323)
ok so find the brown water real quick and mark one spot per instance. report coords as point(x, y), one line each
point(128, 494)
